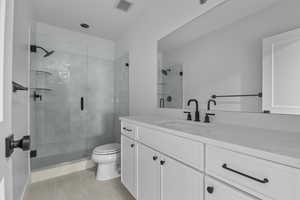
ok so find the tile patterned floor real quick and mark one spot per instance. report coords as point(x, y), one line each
point(78, 186)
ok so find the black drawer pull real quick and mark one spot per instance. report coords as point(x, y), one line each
point(126, 129)
point(155, 158)
point(265, 180)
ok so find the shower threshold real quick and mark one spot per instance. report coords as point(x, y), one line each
point(47, 162)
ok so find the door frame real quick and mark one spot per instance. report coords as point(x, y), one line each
point(6, 58)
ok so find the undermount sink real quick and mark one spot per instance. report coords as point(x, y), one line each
point(185, 125)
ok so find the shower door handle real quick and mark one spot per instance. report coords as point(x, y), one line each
point(81, 103)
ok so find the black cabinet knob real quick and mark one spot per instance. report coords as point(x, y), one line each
point(155, 158)
point(210, 189)
point(132, 145)
point(162, 162)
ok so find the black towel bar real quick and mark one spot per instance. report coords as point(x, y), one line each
point(241, 95)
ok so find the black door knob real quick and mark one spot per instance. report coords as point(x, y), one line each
point(155, 158)
point(210, 189)
point(162, 162)
point(11, 144)
point(24, 143)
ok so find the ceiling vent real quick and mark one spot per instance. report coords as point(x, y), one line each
point(203, 1)
point(124, 5)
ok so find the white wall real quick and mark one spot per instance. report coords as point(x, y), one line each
point(141, 41)
point(160, 19)
point(20, 103)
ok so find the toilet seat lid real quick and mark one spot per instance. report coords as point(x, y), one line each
point(107, 148)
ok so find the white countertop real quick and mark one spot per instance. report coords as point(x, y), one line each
point(276, 146)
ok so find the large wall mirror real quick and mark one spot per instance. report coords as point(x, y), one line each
point(219, 56)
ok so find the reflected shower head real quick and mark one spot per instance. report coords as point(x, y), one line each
point(165, 71)
point(33, 48)
point(49, 53)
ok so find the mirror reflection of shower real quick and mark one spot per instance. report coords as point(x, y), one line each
point(33, 49)
point(170, 77)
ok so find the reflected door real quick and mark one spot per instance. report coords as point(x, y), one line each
point(281, 73)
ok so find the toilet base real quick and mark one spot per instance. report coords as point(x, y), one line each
point(107, 171)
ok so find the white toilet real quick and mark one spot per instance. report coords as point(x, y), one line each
point(108, 160)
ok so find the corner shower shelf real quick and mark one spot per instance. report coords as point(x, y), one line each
point(17, 86)
point(41, 71)
point(42, 89)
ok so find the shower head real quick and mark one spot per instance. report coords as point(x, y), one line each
point(33, 48)
point(165, 71)
point(48, 53)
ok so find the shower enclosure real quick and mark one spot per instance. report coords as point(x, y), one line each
point(74, 96)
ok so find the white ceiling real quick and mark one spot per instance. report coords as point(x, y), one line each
point(105, 20)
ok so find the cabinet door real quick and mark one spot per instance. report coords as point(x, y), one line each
point(148, 174)
point(179, 181)
point(128, 164)
point(216, 190)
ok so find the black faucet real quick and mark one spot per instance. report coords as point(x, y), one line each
point(210, 101)
point(189, 116)
point(207, 119)
point(197, 114)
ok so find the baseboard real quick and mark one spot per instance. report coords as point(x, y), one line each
point(61, 170)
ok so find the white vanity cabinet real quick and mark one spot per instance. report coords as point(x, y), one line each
point(163, 178)
point(128, 164)
point(164, 164)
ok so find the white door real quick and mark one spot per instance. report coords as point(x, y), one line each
point(215, 190)
point(148, 174)
point(281, 70)
point(6, 44)
point(179, 181)
point(128, 166)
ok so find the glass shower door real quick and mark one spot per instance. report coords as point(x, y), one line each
point(58, 121)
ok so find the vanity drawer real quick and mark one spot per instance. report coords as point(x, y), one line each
point(215, 190)
point(253, 175)
point(128, 129)
point(184, 150)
